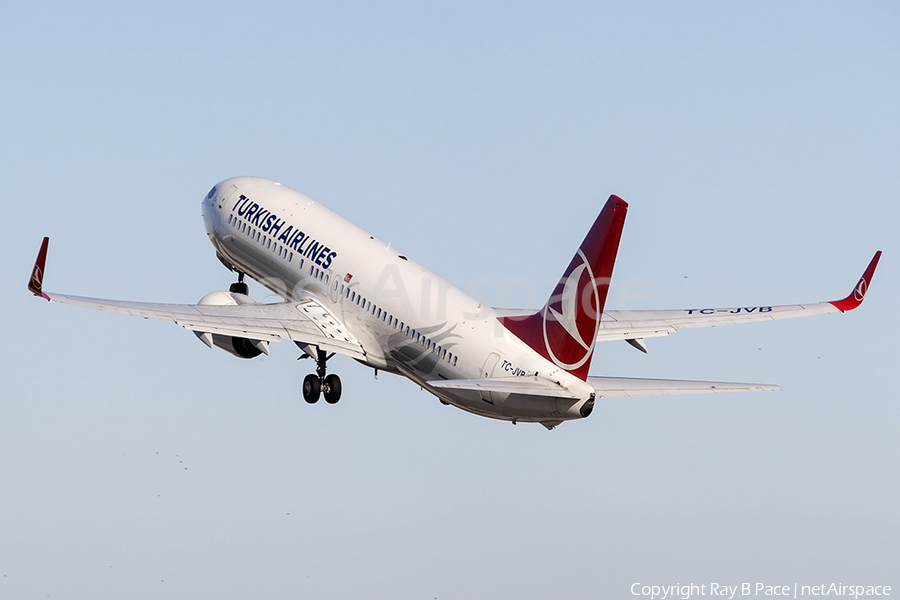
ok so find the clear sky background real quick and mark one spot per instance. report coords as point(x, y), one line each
point(758, 146)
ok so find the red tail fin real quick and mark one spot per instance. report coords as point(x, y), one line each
point(564, 331)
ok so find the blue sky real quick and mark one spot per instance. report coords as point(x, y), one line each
point(757, 146)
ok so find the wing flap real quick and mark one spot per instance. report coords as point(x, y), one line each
point(625, 387)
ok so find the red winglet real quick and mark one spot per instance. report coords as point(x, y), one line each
point(859, 292)
point(37, 274)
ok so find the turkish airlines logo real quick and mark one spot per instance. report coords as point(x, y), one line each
point(860, 292)
point(571, 319)
point(37, 276)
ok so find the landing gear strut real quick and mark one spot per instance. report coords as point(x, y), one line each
point(320, 383)
point(239, 287)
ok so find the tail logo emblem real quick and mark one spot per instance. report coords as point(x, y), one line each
point(860, 292)
point(577, 303)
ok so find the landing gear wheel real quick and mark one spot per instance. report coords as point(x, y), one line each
point(332, 389)
point(312, 386)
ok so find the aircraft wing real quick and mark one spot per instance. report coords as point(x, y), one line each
point(306, 322)
point(634, 325)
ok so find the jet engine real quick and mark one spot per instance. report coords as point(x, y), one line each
point(238, 346)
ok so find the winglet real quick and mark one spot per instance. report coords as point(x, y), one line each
point(35, 284)
point(859, 292)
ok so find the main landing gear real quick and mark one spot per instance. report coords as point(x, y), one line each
point(320, 383)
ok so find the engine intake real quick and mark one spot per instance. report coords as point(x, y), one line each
point(238, 346)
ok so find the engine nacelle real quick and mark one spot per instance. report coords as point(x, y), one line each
point(238, 346)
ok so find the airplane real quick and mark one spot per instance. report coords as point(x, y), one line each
point(346, 292)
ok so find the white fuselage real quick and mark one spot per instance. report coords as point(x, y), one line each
point(407, 319)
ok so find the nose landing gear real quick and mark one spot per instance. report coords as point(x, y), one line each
point(320, 383)
point(239, 287)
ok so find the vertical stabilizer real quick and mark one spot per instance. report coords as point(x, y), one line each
point(565, 329)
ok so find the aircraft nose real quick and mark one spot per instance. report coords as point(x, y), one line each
point(208, 207)
point(211, 196)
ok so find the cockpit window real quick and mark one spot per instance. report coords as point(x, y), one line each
point(211, 193)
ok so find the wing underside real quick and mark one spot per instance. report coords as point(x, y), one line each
point(306, 322)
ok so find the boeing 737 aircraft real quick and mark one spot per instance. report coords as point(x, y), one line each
point(346, 292)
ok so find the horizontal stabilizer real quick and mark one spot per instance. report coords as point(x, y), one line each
point(530, 386)
point(624, 387)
